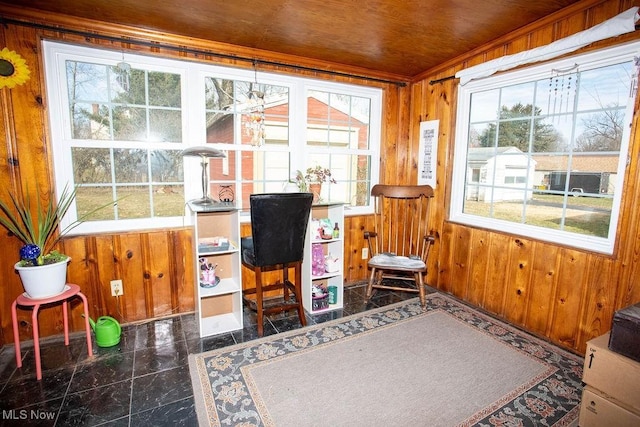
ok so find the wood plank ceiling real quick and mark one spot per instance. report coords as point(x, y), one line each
point(393, 38)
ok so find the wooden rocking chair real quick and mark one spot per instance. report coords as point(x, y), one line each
point(399, 244)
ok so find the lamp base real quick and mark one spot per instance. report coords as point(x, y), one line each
point(204, 201)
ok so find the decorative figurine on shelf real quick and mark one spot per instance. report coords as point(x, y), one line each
point(208, 278)
point(226, 194)
point(326, 231)
point(331, 264)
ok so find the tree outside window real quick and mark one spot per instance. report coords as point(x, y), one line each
point(543, 150)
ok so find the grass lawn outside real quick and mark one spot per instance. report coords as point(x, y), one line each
point(583, 215)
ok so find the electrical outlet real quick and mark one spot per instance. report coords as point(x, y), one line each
point(116, 288)
point(365, 253)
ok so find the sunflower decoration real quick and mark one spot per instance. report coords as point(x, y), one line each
point(13, 69)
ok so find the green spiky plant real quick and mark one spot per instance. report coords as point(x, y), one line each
point(40, 231)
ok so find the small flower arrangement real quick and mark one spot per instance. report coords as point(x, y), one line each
point(313, 176)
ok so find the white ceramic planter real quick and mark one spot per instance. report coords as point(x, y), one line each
point(290, 187)
point(44, 281)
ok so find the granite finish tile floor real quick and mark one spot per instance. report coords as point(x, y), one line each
point(144, 380)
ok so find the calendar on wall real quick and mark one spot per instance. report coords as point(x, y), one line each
point(428, 153)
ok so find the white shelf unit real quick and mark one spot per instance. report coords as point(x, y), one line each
point(218, 309)
point(334, 246)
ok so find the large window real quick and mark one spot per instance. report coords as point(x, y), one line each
point(541, 151)
point(119, 123)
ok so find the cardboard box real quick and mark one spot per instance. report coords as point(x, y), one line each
point(613, 374)
point(597, 410)
point(625, 332)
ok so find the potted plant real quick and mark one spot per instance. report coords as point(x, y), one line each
point(42, 269)
point(312, 180)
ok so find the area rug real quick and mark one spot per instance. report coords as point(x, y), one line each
point(446, 365)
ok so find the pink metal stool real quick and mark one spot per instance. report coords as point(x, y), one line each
point(24, 301)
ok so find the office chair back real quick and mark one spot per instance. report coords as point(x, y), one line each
point(279, 226)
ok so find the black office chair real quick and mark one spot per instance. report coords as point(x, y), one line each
point(278, 231)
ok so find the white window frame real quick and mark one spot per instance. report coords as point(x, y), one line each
point(193, 107)
point(587, 61)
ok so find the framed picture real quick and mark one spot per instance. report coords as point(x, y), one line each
point(428, 153)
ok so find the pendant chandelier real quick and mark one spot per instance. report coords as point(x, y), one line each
point(255, 125)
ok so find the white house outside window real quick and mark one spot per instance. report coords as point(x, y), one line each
point(541, 152)
point(119, 123)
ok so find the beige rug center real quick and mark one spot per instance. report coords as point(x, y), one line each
point(431, 370)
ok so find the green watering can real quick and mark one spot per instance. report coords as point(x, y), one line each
point(107, 330)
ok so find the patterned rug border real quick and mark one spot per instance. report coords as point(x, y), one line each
point(552, 398)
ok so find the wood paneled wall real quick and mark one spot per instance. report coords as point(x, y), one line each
point(565, 295)
point(156, 266)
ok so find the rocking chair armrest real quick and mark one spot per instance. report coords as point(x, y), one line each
point(429, 241)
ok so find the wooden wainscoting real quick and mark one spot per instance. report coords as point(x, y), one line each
point(156, 269)
point(564, 295)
